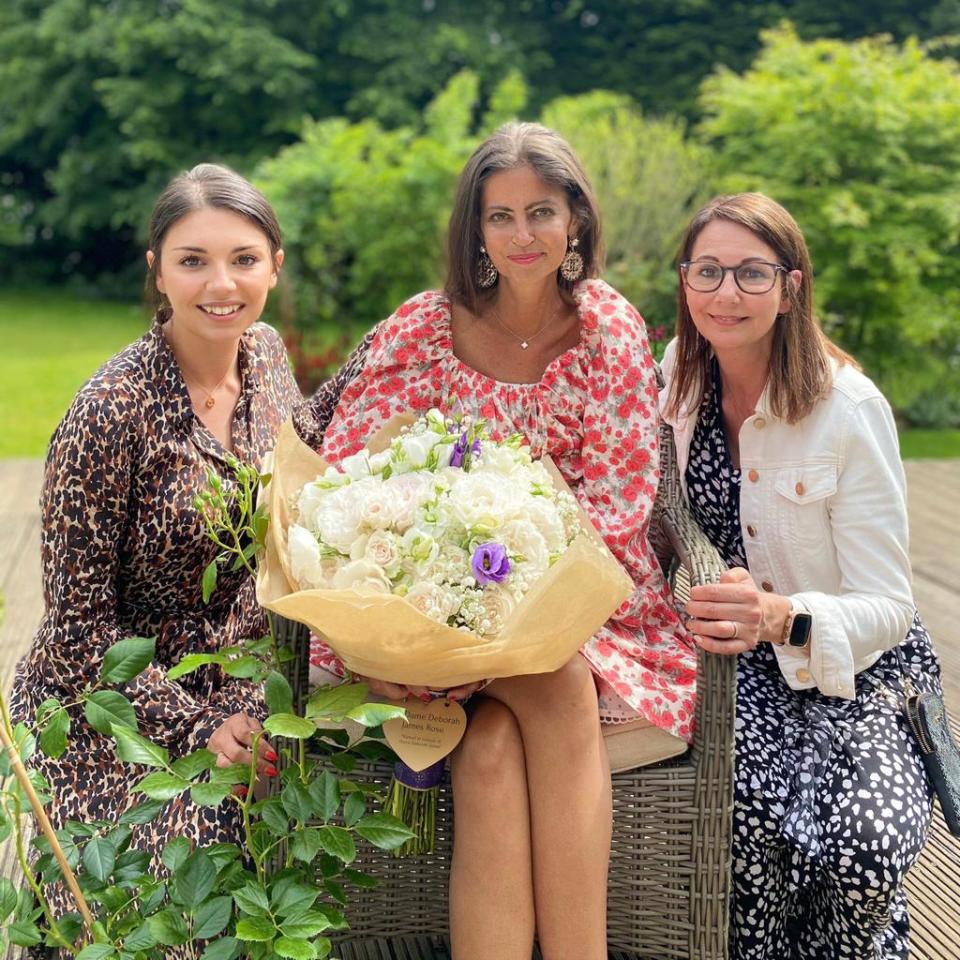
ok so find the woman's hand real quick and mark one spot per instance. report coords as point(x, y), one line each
point(733, 616)
point(232, 740)
point(399, 691)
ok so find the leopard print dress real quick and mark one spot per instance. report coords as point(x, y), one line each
point(123, 550)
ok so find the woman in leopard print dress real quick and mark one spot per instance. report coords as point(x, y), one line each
point(123, 545)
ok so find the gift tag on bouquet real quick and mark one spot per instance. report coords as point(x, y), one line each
point(430, 731)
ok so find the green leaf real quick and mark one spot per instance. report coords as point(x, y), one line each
point(289, 725)
point(211, 917)
point(8, 898)
point(373, 714)
point(297, 801)
point(252, 899)
point(274, 816)
point(126, 659)
point(294, 899)
point(335, 702)
point(133, 748)
point(99, 857)
point(224, 949)
point(209, 794)
point(308, 924)
point(140, 939)
point(305, 843)
point(277, 693)
point(354, 808)
point(175, 853)
point(325, 791)
point(243, 667)
point(359, 879)
point(195, 763)
point(142, 812)
point(384, 831)
point(169, 927)
point(23, 933)
point(161, 785)
point(256, 929)
point(338, 843)
point(97, 951)
point(209, 583)
point(53, 732)
point(106, 708)
point(194, 880)
point(297, 949)
point(335, 891)
point(194, 661)
point(235, 773)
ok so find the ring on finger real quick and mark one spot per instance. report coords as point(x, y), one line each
point(736, 630)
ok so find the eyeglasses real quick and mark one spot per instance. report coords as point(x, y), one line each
point(754, 276)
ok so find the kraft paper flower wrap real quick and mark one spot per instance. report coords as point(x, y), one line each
point(383, 636)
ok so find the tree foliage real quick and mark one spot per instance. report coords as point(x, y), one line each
point(861, 141)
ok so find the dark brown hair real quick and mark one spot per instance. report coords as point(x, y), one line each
point(553, 160)
point(800, 372)
point(206, 185)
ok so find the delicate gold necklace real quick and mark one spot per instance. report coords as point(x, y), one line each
point(211, 401)
point(524, 341)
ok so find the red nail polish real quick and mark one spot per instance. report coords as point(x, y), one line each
point(453, 696)
point(271, 771)
point(271, 756)
point(425, 697)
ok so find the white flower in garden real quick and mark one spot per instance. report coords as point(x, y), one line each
point(433, 600)
point(361, 575)
point(383, 549)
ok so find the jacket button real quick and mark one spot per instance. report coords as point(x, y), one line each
point(800, 488)
point(804, 676)
point(751, 531)
point(767, 585)
point(753, 476)
point(759, 423)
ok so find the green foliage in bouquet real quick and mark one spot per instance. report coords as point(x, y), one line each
point(284, 893)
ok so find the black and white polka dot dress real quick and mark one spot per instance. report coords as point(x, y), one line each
point(831, 802)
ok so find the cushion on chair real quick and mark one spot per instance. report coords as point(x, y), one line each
point(637, 743)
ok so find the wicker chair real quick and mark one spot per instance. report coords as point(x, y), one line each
point(669, 869)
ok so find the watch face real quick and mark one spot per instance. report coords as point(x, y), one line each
point(800, 630)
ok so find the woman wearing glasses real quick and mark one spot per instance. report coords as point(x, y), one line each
point(790, 461)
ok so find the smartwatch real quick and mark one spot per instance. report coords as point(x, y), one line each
point(796, 628)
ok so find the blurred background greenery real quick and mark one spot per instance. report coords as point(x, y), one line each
point(355, 116)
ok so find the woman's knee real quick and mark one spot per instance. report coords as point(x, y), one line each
point(491, 752)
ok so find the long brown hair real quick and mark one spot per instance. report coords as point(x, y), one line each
point(206, 185)
point(553, 160)
point(800, 369)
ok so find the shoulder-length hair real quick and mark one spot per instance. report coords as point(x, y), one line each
point(800, 371)
point(206, 185)
point(553, 160)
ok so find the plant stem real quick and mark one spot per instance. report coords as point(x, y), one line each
point(23, 778)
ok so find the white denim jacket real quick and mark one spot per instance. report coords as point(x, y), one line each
point(824, 519)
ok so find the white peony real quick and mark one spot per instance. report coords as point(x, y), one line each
point(545, 517)
point(361, 575)
point(482, 500)
point(499, 460)
point(410, 490)
point(379, 507)
point(337, 520)
point(303, 552)
point(522, 538)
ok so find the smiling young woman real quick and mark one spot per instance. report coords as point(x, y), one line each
point(123, 545)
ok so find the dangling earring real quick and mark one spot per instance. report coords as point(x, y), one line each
point(487, 274)
point(571, 267)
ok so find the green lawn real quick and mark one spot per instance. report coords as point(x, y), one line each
point(52, 343)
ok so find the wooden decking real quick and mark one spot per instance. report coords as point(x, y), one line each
point(934, 496)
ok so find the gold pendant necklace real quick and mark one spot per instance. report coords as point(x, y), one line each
point(211, 400)
point(524, 341)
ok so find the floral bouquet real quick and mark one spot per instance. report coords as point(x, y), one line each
point(430, 557)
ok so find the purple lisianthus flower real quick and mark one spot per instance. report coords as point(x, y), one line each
point(490, 563)
point(460, 450)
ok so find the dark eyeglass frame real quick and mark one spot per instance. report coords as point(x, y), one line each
point(685, 265)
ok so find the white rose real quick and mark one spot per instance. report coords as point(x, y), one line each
point(522, 538)
point(304, 554)
point(433, 600)
point(378, 508)
point(361, 575)
point(498, 604)
point(383, 549)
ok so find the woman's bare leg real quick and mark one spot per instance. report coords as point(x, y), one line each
point(491, 886)
point(571, 814)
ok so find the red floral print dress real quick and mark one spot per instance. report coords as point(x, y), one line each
point(594, 411)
